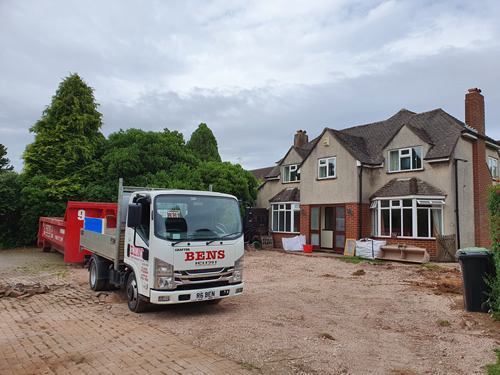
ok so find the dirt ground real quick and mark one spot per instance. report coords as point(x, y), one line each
point(312, 314)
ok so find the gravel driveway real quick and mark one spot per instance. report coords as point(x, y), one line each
point(310, 314)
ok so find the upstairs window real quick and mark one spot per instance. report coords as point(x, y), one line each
point(493, 166)
point(291, 173)
point(326, 168)
point(405, 159)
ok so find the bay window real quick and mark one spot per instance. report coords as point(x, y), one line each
point(407, 217)
point(405, 159)
point(286, 217)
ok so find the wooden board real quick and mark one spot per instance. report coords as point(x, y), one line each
point(350, 247)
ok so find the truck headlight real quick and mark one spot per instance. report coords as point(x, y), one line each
point(164, 275)
point(238, 271)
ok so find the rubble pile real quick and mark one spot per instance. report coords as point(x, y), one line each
point(21, 290)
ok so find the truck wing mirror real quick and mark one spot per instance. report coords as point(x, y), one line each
point(134, 215)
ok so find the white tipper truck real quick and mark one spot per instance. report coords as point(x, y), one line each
point(169, 247)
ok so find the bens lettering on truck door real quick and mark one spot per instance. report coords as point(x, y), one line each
point(205, 255)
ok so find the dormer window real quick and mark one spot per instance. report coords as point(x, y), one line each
point(405, 159)
point(291, 173)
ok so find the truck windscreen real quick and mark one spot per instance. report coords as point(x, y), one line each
point(196, 217)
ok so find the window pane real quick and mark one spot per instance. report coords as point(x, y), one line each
point(275, 220)
point(405, 163)
point(408, 222)
point(281, 225)
point(394, 160)
point(340, 240)
point(296, 221)
point(315, 218)
point(384, 203)
point(331, 167)
point(407, 202)
point(340, 218)
point(396, 222)
point(384, 226)
point(315, 239)
point(286, 174)
point(417, 157)
point(422, 222)
point(288, 223)
point(329, 218)
point(437, 219)
point(375, 222)
point(322, 171)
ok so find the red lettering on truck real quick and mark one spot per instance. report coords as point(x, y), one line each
point(204, 255)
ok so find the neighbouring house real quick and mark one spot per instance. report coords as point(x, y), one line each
point(413, 179)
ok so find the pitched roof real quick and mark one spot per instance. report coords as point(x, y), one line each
point(407, 186)
point(437, 128)
point(287, 195)
point(261, 172)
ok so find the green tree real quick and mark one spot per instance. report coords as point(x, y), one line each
point(10, 209)
point(203, 144)
point(67, 141)
point(138, 156)
point(4, 161)
point(64, 158)
point(494, 281)
point(230, 179)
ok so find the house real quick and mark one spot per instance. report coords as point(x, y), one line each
point(412, 179)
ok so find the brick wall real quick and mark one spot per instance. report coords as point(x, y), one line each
point(352, 221)
point(305, 214)
point(482, 179)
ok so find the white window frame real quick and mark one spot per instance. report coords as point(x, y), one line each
point(417, 207)
point(493, 166)
point(279, 213)
point(324, 163)
point(405, 153)
point(291, 173)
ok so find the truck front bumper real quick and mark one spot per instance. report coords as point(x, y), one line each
point(183, 296)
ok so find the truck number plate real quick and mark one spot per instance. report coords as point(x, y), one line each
point(201, 296)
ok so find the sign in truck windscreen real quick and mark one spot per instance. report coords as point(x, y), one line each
point(196, 218)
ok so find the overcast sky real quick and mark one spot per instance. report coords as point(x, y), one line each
point(254, 71)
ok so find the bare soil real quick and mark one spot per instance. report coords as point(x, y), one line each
point(317, 314)
point(320, 315)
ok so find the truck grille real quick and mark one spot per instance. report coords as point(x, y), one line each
point(203, 276)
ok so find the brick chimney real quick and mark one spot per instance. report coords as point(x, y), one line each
point(301, 138)
point(474, 110)
point(474, 117)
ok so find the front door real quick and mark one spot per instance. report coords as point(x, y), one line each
point(328, 228)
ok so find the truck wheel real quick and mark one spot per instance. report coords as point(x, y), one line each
point(134, 301)
point(95, 283)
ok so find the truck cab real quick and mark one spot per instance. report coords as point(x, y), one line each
point(178, 246)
